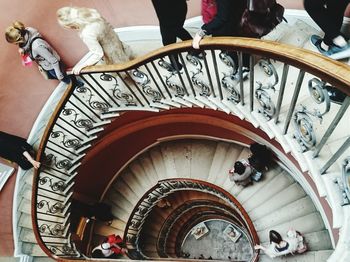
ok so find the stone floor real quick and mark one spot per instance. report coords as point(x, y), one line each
point(217, 245)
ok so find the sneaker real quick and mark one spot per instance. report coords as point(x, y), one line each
point(197, 53)
point(333, 49)
point(335, 95)
point(316, 41)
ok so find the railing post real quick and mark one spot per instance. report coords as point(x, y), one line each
point(240, 73)
point(332, 126)
point(294, 100)
point(281, 93)
point(251, 81)
point(337, 154)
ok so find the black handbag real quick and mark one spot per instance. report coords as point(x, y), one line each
point(260, 18)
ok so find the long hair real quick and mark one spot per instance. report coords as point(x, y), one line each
point(77, 17)
point(275, 237)
point(239, 167)
point(15, 32)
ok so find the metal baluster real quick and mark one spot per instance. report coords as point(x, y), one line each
point(59, 153)
point(337, 154)
point(217, 76)
point(187, 75)
point(86, 106)
point(130, 89)
point(251, 81)
point(103, 89)
point(161, 79)
point(154, 81)
point(63, 120)
point(209, 76)
point(172, 58)
point(294, 100)
point(92, 87)
point(240, 73)
point(332, 126)
point(281, 93)
point(81, 111)
point(137, 87)
point(57, 124)
point(61, 147)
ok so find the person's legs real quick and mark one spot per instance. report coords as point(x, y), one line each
point(328, 15)
point(335, 10)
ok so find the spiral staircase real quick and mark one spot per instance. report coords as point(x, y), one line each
point(195, 123)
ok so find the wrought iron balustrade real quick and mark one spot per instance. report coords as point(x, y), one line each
point(285, 86)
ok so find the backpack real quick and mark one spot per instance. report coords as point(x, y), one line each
point(209, 10)
point(260, 18)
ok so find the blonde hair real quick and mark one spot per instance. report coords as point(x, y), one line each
point(15, 32)
point(77, 17)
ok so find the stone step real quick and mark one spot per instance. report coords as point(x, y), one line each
point(142, 176)
point(286, 213)
point(158, 163)
point(147, 165)
point(277, 184)
point(33, 250)
point(169, 162)
point(306, 224)
point(250, 191)
point(120, 201)
point(123, 189)
point(202, 153)
point(25, 206)
point(279, 200)
point(218, 160)
point(318, 240)
point(310, 256)
point(132, 181)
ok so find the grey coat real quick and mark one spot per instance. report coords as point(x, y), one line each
point(41, 51)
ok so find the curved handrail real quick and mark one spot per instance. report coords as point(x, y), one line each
point(328, 70)
point(167, 186)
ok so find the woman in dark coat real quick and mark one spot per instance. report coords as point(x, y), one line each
point(225, 23)
point(172, 15)
point(17, 149)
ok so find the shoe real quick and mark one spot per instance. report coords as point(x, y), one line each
point(197, 53)
point(333, 49)
point(335, 95)
point(316, 41)
point(245, 73)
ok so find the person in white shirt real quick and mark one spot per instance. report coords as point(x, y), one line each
point(98, 35)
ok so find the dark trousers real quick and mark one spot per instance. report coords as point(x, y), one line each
point(328, 15)
point(172, 15)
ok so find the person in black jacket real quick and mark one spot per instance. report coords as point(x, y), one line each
point(172, 15)
point(225, 23)
point(17, 149)
point(328, 15)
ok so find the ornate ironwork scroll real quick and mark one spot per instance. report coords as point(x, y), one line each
point(302, 119)
point(267, 106)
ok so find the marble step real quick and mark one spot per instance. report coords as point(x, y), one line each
point(310, 256)
point(33, 250)
point(132, 180)
point(142, 176)
point(279, 200)
point(306, 224)
point(286, 213)
point(218, 160)
point(275, 185)
point(250, 191)
point(319, 240)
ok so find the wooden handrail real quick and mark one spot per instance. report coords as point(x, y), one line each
point(39, 157)
point(332, 71)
